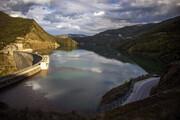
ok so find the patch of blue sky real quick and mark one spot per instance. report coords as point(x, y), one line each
point(113, 2)
point(49, 9)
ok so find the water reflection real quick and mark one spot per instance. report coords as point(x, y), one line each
point(78, 79)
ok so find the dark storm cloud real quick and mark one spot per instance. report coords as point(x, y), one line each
point(21, 7)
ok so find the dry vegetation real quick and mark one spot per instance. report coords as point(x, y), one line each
point(6, 65)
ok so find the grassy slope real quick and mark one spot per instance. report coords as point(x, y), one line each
point(10, 28)
point(163, 41)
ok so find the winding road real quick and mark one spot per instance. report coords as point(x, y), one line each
point(141, 89)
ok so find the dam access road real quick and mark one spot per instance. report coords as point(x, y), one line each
point(141, 89)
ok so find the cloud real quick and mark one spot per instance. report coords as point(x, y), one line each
point(16, 14)
point(68, 26)
point(37, 1)
point(80, 16)
point(101, 13)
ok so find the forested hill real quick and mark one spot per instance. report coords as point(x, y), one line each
point(162, 41)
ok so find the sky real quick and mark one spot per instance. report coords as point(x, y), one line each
point(90, 16)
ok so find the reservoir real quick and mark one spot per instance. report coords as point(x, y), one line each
point(75, 80)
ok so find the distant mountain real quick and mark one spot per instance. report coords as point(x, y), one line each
point(71, 36)
point(62, 36)
point(26, 31)
point(121, 35)
point(77, 35)
point(163, 41)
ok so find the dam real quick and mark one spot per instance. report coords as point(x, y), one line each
point(27, 64)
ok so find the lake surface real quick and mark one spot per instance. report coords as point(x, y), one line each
point(78, 79)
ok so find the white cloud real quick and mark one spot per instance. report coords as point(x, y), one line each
point(38, 13)
point(17, 14)
point(178, 4)
point(68, 26)
point(101, 13)
point(37, 1)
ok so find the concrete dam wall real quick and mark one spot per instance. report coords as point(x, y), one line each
point(24, 60)
point(28, 64)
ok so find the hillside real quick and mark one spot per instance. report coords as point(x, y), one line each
point(77, 35)
point(65, 41)
point(162, 41)
point(31, 34)
point(70, 36)
point(112, 37)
